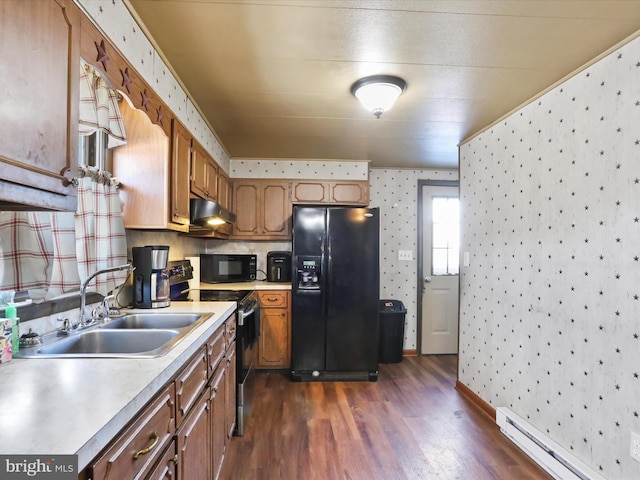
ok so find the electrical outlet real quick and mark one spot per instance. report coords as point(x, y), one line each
point(634, 449)
point(405, 255)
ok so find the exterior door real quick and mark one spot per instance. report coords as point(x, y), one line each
point(440, 268)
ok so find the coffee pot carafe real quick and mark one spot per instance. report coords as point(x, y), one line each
point(151, 287)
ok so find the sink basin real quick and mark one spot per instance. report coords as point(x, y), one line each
point(154, 321)
point(99, 342)
point(134, 335)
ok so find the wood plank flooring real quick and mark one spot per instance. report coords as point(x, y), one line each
point(410, 424)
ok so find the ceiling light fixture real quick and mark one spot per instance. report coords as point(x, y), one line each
point(378, 93)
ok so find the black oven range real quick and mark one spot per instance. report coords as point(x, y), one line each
point(247, 331)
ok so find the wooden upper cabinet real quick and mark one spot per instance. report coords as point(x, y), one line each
point(224, 189)
point(337, 192)
point(263, 209)
point(180, 163)
point(40, 71)
point(144, 166)
point(245, 203)
point(204, 173)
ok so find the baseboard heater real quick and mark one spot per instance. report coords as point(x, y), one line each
point(558, 462)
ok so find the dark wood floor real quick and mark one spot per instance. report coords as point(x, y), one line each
point(410, 424)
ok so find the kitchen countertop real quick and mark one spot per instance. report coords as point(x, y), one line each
point(76, 406)
point(257, 285)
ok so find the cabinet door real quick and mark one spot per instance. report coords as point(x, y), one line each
point(230, 394)
point(193, 442)
point(246, 197)
point(199, 172)
point(180, 163)
point(274, 338)
point(40, 71)
point(342, 192)
point(143, 165)
point(274, 343)
point(309, 192)
point(224, 191)
point(276, 210)
point(204, 173)
point(349, 193)
point(218, 427)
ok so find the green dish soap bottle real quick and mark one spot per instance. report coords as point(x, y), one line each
point(12, 313)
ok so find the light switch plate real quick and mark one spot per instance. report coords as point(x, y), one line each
point(405, 255)
point(634, 448)
point(465, 259)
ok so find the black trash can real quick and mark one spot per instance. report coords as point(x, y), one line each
point(392, 314)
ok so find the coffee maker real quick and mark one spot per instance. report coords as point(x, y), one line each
point(151, 287)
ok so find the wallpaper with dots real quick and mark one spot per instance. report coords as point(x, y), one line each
point(395, 191)
point(113, 18)
point(550, 304)
point(312, 169)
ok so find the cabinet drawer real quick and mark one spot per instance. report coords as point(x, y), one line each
point(190, 383)
point(216, 348)
point(135, 451)
point(165, 469)
point(274, 298)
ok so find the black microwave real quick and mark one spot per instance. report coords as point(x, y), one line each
point(220, 268)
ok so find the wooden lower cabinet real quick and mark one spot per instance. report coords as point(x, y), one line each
point(135, 452)
point(190, 384)
point(184, 432)
point(165, 469)
point(274, 344)
point(230, 395)
point(218, 427)
point(193, 443)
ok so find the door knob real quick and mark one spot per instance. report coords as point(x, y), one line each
point(427, 279)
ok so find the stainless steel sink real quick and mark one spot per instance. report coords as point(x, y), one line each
point(134, 335)
point(155, 320)
point(98, 342)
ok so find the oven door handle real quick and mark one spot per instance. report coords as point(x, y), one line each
point(249, 309)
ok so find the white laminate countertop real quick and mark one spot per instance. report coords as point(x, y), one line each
point(76, 406)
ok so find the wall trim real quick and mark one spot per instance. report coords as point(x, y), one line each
point(476, 400)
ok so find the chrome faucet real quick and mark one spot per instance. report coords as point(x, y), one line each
point(83, 289)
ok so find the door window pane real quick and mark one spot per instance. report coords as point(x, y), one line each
point(445, 236)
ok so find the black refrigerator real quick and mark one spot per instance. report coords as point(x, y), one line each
point(335, 294)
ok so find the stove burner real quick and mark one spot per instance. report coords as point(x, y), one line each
point(223, 295)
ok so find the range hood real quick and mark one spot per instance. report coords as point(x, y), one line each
point(208, 214)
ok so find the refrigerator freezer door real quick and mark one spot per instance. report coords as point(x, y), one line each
point(308, 313)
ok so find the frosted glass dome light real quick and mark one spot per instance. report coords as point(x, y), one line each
point(378, 93)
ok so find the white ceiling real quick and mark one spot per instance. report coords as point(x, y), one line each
point(272, 77)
